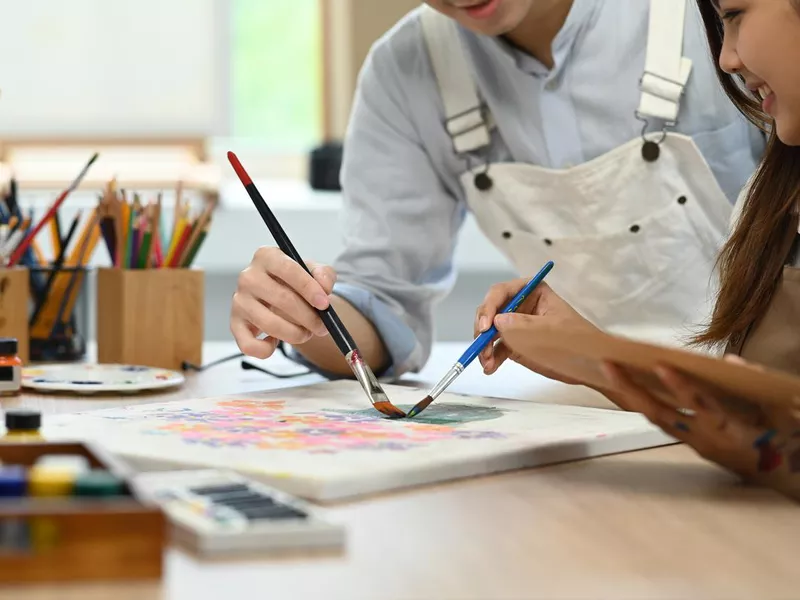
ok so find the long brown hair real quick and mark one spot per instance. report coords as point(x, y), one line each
point(751, 262)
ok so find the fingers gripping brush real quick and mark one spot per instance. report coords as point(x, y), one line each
point(333, 324)
point(479, 344)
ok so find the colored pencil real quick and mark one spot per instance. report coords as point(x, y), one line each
point(159, 254)
point(197, 229)
point(147, 237)
point(180, 245)
point(155, 233)
point(126, 258)
point(196, 248)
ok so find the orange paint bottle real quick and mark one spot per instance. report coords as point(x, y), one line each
point(10, 368)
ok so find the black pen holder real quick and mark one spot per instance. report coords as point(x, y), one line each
point(59, 313)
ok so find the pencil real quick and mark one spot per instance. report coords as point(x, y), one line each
point(158, 254)
point(186, 233)
point(118, 214)
point(155, 237)
point(198, 227)
point(108, 230)
point(196, 248)
point(176, 214)
point(128, 235)
point(147, 236)
point(136, 240)
point(177, 236)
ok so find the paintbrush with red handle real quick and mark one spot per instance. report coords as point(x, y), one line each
point(334, 325)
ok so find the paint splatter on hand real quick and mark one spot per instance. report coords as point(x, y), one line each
point(695, 415)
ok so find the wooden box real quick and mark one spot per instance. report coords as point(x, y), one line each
point(15, 307)
point(112, 538)
point(150, 317)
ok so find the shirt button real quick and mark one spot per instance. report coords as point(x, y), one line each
point(551, 85)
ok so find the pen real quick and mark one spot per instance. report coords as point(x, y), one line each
point(333, 324)
point(480, 342)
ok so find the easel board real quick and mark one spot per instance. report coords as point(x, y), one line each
point(325, 442)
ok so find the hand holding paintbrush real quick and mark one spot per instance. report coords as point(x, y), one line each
point(330, 319)
point(480, 342)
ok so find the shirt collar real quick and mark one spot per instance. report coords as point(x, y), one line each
point(580, 15)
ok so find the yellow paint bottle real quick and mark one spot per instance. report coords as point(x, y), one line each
point(22, 426)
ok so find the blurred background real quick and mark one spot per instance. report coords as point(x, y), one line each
point(163, 88)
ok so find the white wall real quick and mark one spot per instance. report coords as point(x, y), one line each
point(99, 68)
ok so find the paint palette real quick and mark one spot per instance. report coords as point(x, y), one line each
point(216, 512)
point(98, 378)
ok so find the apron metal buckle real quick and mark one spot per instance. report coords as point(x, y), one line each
point(650, 148)
point(482, 180)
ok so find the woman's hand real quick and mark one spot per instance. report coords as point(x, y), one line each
point(694, 415)
point(542, 303)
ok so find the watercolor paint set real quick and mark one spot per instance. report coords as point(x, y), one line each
point(69, 513)
point(216, 512)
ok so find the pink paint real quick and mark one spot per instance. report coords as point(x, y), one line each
point(265, 425)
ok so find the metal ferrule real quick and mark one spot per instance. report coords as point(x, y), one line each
point(449, 377)
point(366, 378)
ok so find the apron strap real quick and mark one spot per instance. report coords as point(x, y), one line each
point(466, 117)
point(666, 70)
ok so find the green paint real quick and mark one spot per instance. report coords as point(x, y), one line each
point(443, 414)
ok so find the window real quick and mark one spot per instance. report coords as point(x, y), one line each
point(276, 75)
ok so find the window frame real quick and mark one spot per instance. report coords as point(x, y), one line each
point(334, 101)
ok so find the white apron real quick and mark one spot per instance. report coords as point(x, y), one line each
point(634, 239)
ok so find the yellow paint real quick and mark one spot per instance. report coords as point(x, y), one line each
point(50, 482)
point(22, 436)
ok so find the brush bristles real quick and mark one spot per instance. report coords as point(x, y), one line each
point(389, 409)
point(419, 407)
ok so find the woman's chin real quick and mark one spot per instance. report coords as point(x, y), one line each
point(788, 130)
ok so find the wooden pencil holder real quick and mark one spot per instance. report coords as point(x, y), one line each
point(15, 307)
point(150, 317)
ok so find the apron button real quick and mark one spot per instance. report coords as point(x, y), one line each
point(650, 151)
point(548, 242)
point(682, 200)
point(635, 229)
point(483, 182)
point(506, 234)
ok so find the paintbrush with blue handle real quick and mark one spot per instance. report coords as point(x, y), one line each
point(479, 343)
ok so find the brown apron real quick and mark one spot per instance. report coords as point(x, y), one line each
point(774, 341)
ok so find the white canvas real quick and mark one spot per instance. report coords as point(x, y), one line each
point(326, 442)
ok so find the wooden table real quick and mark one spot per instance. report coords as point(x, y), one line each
point(658, 523)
